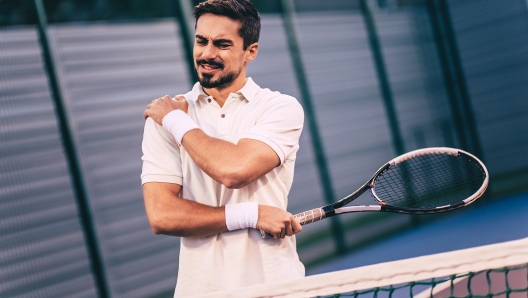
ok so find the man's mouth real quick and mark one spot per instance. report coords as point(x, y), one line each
point(209, 65)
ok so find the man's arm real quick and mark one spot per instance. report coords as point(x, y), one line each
point(169, 214)
point(233, 165)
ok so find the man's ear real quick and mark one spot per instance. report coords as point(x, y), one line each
point(251, 52)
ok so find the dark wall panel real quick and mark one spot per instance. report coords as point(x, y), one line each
point(492, 38)
point(42, 249)
point(415, 77)
point(109, 73)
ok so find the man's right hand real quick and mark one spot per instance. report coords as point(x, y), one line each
point(277, 222)
point(160, 107)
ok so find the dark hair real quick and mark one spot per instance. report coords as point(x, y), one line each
point(242, 11)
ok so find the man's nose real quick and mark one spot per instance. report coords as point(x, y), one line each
point(209, 52)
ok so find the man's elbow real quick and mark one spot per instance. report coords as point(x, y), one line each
point(234, 184)
point(156, 227)
point(234, 180)
point(159, 227)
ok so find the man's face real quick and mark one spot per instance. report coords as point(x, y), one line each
point(219, 56)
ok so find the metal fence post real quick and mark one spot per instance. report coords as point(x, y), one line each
point(460, 79)
point(186, 22)
point(386, 92)
point(90, 236)
point(454, 77)
point(300, 75)
point(445, 65)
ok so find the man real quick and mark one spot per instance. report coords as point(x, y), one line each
point(218, 162)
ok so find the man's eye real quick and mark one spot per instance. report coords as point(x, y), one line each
point(223, 45)
point(201, 42)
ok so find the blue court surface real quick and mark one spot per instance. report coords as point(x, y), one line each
point(495, 221)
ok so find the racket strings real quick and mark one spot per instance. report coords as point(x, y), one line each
point(430, 181)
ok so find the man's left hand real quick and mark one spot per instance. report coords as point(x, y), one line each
point(160, 107)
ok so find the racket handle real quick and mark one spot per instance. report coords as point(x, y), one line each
point(310, 216)
point(303, 218)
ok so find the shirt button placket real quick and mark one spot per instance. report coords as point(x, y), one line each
point(223, 125)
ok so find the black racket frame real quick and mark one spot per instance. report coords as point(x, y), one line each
point(329, 210)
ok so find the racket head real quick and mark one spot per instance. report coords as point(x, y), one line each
point(430, 180)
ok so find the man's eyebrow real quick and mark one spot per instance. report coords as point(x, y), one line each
point(220, 40)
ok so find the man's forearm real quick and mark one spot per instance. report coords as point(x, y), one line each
point(233, 165)
point(171, 215)
point(221, 160)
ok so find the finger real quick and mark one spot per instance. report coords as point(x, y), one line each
point(296, 226)
point(277, 235)
point(179, 98)
point(166, 97)
point(288, 229)
point(283, 233)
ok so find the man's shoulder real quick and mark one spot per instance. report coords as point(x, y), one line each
point(267, 96)
point(156, 133)
point(283, 104)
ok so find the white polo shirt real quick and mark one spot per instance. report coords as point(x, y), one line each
point(237, 258)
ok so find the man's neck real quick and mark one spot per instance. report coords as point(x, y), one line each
point(220, 94)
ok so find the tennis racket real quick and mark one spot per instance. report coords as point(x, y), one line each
point(424, 181)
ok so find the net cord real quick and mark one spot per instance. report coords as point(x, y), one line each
point(482, 258)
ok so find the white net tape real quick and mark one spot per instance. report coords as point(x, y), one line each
point(392, 273)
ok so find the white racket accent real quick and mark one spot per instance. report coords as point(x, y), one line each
point(357, 209)
point(426, 151)
point(482, 189)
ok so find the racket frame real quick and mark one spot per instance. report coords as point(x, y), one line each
point(338, 207)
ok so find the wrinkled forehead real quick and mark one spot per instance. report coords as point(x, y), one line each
point(215, 27)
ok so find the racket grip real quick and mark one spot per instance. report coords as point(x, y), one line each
point(310, 216)
point(303, 218)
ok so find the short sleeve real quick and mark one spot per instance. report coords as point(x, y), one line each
point(279, 124)
point(161, 155)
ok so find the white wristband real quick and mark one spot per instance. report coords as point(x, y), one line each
point(178, 123)
point(241, 215)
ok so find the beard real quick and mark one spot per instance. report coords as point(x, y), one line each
point(223, 81)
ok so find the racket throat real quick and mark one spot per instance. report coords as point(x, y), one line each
point(329, 211)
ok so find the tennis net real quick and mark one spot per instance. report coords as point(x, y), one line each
point(497, 270)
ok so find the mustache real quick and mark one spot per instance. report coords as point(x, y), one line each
point(212, 62)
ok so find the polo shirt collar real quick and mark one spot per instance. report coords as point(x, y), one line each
point(249, 90)
point(197, 92)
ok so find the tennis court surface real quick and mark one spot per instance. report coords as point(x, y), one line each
point(479, 253)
